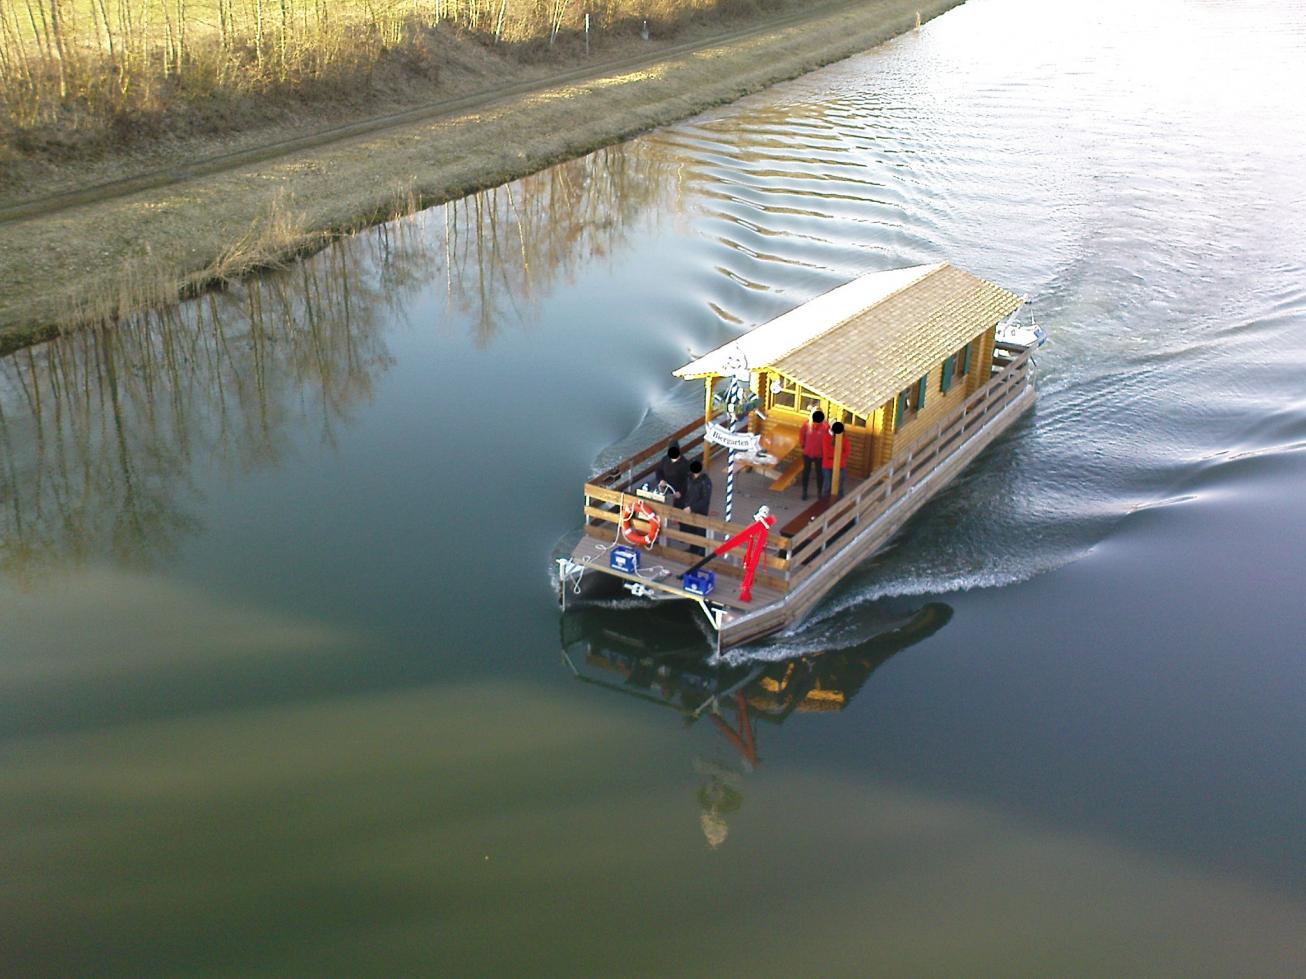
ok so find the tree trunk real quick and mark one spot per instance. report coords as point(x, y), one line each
point(56, 24)
point(181, 33)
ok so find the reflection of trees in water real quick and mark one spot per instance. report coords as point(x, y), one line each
point(507, 247)
point(99, 429)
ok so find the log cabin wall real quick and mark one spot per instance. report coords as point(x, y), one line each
point(938, 404)
point(983, 354)
point(882, 437)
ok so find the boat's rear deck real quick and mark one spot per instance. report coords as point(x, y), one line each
point(662, 566)
point(662, 570)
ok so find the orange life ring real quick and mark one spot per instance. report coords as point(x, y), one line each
point(639, 510)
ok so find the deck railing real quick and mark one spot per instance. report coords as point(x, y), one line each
point(790, 560)
point(896, 479)
point(628, 473)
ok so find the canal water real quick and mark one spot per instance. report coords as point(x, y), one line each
point(284, 689)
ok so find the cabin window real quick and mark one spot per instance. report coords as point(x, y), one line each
point(837, 414)
point(910, 400)
point(785, 393)
point(945, 377)
point(963, 360)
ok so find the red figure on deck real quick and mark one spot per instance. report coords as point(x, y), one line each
point(755, 536)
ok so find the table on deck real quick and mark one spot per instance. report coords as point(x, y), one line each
point(752, 489)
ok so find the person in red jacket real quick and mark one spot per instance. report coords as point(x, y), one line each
point(827, 460)
point(811, 440)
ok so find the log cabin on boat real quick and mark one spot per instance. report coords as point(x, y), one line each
point(907, 360)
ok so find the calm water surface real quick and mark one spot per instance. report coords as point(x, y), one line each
point(284, 691)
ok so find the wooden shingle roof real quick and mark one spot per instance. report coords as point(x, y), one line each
point(864, 360)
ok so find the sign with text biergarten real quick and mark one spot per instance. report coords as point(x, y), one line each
point(738, 441)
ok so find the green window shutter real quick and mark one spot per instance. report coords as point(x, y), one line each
point(965, 360)
point(902, 409)
point(945, 380)
point(921, 385)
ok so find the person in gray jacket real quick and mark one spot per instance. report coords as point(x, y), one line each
point(697, 498)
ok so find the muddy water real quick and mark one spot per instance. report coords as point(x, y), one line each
point(283, 689)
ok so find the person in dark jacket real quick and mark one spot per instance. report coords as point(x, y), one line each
point(674, 471)
point(698, 499)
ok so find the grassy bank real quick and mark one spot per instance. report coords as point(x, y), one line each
point(126, 250)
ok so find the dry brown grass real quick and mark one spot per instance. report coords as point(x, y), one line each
point(279, 234)
point(78, 76)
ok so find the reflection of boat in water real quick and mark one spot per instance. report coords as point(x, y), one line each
point(599, 645)
point(671, 672)
point(905, 368)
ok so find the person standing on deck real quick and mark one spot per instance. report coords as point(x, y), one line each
point(698, 499)
point(811, 439)
point(674, 471)
point(827, 460)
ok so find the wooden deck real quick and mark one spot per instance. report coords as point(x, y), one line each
point(813, 545)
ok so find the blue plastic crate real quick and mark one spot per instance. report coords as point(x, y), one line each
point(700, 583)
point(622, 558)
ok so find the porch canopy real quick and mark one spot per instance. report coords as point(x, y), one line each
point(861, 343)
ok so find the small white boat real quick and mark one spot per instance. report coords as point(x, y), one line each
point(1017, 334)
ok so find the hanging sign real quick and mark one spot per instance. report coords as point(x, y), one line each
point(738, 441)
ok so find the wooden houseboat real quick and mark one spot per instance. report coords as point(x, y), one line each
point(906, 359)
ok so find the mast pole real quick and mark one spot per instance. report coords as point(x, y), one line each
point(709, 383)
